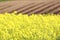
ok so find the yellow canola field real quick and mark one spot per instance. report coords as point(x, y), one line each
point(34, 27)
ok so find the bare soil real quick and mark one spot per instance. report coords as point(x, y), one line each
point(31, 6)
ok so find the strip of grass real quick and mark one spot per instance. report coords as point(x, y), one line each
point(34, 27)
point(3, 0)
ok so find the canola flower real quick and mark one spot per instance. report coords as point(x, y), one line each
point(34, 27)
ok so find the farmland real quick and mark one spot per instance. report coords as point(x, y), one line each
point(34, 27)
point(29, 7)
point(30, 20)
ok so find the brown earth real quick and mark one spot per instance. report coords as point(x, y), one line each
point(46, 6)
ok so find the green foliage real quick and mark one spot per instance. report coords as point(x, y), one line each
point(34, 27)
point(4, 0)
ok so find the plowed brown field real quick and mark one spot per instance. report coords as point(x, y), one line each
point(29, 7)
